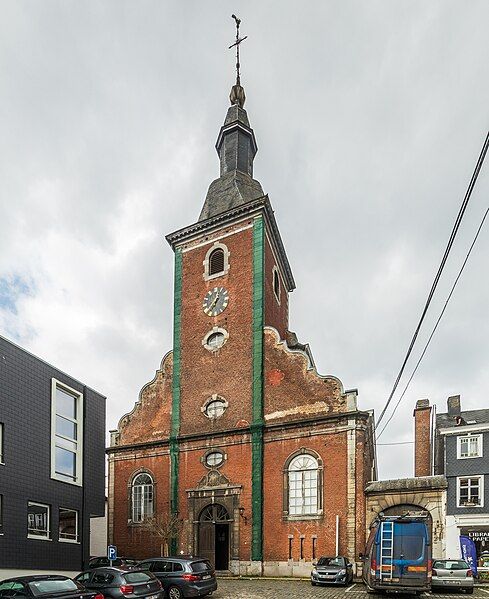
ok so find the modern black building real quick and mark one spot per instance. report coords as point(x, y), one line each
point(461, 452)
point(52, 464)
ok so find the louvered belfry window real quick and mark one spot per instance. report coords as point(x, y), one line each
point(216, 261)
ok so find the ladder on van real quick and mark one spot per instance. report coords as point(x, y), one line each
point(386, 550)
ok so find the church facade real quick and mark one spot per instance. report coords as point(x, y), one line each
point(262, 461)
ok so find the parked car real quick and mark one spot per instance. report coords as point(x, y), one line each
point(46, 586)
point(104, 562)
point(332, 570)
point(452, 574)
point(183, 576)
point(117, 583)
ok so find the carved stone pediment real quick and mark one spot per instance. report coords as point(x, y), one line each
point(213, 479)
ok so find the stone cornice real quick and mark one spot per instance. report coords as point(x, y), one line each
point(317, 419)
point(260, 205)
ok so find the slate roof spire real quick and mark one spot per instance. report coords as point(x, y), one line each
point(236, 147)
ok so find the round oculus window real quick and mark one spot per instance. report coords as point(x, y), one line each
point(215, 408)
point(214, 459)
point(215, 340)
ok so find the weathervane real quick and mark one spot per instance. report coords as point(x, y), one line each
point(237, 43)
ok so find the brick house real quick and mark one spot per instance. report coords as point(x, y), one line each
point(264, 461)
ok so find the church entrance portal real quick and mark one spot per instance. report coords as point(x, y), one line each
point(214, 535)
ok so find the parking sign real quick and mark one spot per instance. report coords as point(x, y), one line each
point(112, 552)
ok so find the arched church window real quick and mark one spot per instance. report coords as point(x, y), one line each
point(303, 486)
point(142, 497)
point(216, 263)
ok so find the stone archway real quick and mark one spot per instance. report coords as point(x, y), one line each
point(215, 489)
point(425, 494)
point(213, 535)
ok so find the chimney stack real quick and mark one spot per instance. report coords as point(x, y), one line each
point(422, 438)
point(453, 404)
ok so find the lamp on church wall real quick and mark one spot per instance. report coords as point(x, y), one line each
point(241, 513)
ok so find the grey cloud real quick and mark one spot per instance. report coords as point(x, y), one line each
point(369, 118)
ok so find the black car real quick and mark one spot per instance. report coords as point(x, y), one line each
point(104, 562)
point(183, 576)
point(46, 586)
point(117, 583)
point(332, 570)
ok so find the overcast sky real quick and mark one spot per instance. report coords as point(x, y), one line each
point(369, 118)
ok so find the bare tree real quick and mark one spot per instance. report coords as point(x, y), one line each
point(165, 527)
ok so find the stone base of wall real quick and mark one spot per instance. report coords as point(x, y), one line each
point(288, 568)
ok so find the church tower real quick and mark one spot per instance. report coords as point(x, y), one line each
point(259, 461)
point(232, 277)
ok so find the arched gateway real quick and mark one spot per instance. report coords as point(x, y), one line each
point(424, 495)
point(213, 535)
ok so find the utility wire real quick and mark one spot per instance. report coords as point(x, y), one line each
point(436, 324)
point(399, 443)
point(453, 234)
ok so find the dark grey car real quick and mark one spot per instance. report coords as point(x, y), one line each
point(122, 583)
point(183, 576)
point(332, 570)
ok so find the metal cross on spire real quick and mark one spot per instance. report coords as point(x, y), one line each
point(237, 43)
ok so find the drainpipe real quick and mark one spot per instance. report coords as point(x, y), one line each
point(337, 535)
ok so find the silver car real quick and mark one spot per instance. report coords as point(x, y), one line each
point(452, 573)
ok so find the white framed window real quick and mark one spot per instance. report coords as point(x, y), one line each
point(469, 446)
point(215, 339)
point(66, 433)
point(303, 486)
point(2, 456)
point(142, 497)
point(68, 525)
point(470, 491)
point(216, 263)
point(214, 459)
point(214, 407)
point(38, 521)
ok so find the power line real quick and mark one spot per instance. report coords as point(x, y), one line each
point(451, 240)
point(399, 443)
point(436, 324)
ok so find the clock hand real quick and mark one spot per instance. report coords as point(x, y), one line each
point(216, 299)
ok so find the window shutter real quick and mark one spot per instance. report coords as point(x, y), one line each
point(216, 261)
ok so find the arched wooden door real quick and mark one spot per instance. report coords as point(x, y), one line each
point(214, 535)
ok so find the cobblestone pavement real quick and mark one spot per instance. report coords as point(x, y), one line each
point(299, 589)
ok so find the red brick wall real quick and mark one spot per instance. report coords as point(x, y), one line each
point(131, 541)
point(237, 469)
point(332, 450)
point(422, 443)
point(291, 390)
point(276, 314)
point(150, 418)
point(228, 371)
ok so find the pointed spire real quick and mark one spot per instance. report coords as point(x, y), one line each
point(236, 147)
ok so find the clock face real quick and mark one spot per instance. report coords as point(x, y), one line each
point(215, 301)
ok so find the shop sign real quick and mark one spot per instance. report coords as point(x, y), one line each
point(481, 535)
